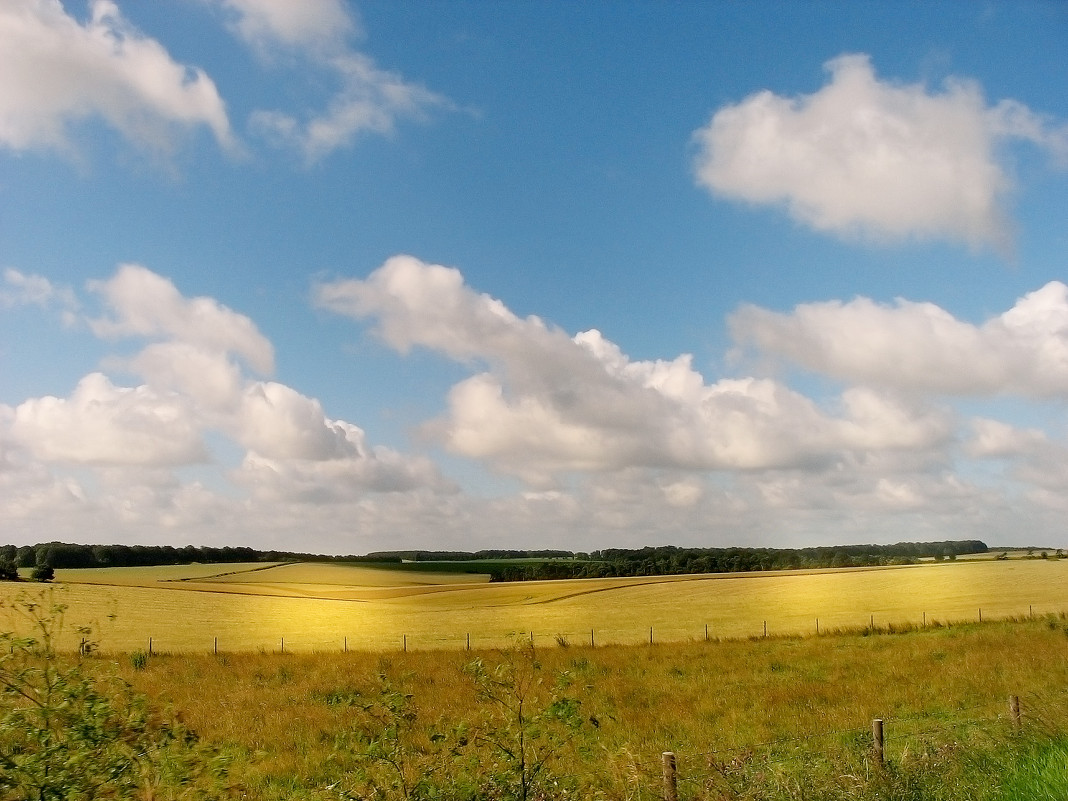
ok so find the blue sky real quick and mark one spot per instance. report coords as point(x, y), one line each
point(342, 277)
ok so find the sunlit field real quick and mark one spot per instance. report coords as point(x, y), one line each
point(331, 607)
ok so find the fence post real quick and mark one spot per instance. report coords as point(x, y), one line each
point(980, 614)
point(1014, 710)
point(404, 642)
point(215, 647)
point(706, 632)
point(650, 635)
point(150, 646)
point(346, 646)
point(817, 625)
point(671, 777)
point(877, 739)
point(468, 641)
point(765, 628)
point(283, 645)
point(593, 643)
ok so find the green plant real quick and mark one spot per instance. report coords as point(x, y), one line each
point(397, 757)
point(529, 723)
point(67, 732)
point(43, 573)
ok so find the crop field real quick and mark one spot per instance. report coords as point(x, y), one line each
point(331, 607)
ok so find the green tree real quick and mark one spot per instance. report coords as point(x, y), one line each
point(43, 573)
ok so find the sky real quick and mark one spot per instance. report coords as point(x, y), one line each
point(344, 277)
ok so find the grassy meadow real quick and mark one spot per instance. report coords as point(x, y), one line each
point(776, 718)
point(323, 607)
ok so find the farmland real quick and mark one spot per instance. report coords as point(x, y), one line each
point(326, 607)
point(785, 717)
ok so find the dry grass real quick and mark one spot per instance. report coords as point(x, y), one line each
point(715, 704)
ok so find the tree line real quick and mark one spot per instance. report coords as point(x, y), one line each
point(542, 564)
point(671, 560)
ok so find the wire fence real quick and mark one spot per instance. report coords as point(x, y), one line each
point(421, 640)
point(885, 739)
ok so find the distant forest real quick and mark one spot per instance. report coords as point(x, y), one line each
point(671, 560)
point(512, 565)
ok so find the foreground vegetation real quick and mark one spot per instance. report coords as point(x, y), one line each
point(784, 718)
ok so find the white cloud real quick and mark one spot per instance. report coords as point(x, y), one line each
point(115, 452)
point(107, 425)
point(317, 25)
point(368, 99)
point(874, 158)
point(920, 346)
point(552, 404)
point(35, 290)
point(994, 439)
point(56, 71)
point(144, 304)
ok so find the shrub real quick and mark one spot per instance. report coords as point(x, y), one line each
point(43, 573)
point(70, 732)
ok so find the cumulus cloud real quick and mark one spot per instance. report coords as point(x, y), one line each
point(920, 346)
point(195, 406)
point(104, 424)
point(874, 158)
point(550, 403)
point(56, 71)
point(994, 439)
point(144, 304)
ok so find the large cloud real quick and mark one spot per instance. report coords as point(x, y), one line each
point(920, 346)
point(863, 156)
point(104, 424)
point(551, 403)
point(56, 71)
point(196, 405)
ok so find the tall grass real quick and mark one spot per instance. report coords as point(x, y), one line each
point(776, 718)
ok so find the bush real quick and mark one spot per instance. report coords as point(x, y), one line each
point(68, 731)
point(43, 573)
point(8, 570)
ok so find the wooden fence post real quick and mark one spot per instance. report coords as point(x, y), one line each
point(765, 628)
point(283, 645)
point(817, 625)
point(706, 632)
point(877, 739)
point(404, 642)
point(650, 635)
point(1014, 710)
point(150, 646)
point(980, 614)
point(215, 647)
point(593, 643)
point(346, 646)
point(468, 641)
point(671, 777)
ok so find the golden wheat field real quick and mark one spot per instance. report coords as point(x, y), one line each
point(328, 607)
